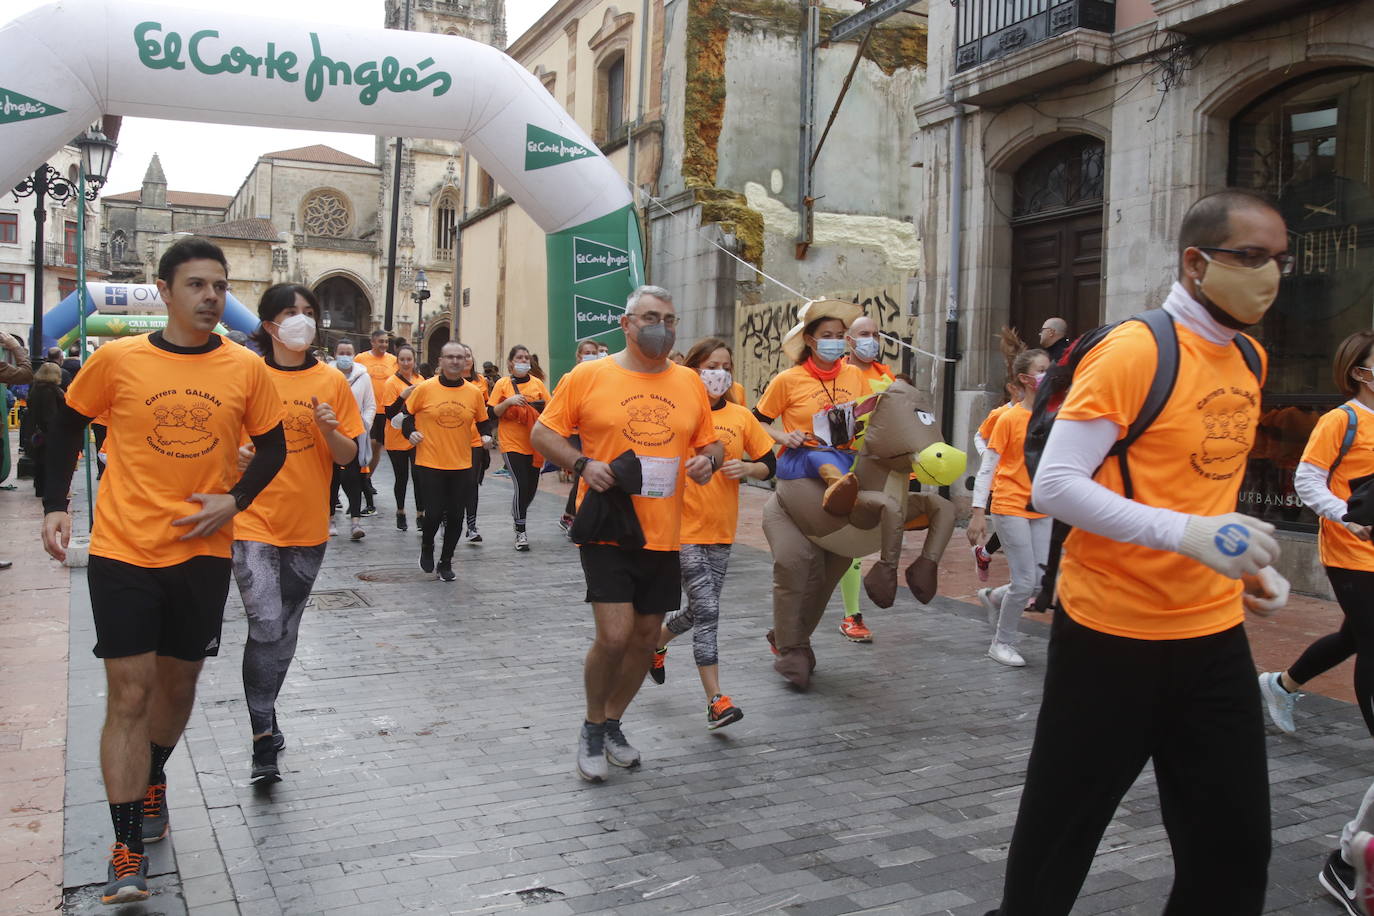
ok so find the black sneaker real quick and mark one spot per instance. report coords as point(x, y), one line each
point(446, 572)
point(369, 509)
point(1339, 880)
point(265, 769)
point(278, 739)
point(427, 557)
point(401, 522)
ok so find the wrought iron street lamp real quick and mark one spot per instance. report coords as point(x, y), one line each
point(420, 292)
point(47, 183)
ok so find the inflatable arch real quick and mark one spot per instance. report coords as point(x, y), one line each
point(65, 64)
point(60, 323)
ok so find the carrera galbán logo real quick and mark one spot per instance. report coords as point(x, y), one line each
point(181, 423)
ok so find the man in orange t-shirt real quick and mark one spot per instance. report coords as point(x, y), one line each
point(866, 348)
point(380, 366)
point(1148, 658)
point(636, 400)
point(159, 569)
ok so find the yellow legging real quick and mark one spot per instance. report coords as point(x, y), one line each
point(849, 590)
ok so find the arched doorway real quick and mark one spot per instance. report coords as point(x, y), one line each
point(435, 339)
point(345, 311)
point(1056, 263)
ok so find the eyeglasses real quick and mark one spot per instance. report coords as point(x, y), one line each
point(1257, 257)
point(652, 318)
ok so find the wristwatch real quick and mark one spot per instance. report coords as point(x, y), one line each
point(580, 464)
point(241, 500)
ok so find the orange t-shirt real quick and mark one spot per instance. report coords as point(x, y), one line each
point(516, 422)
point(711, 512)
point(991, 422)
point(482, 388)
point(293, 511)
point(1011, 485)
point(1337, 546)
point(736, 393)
point(664, 416)
point(174, 421)
point(447, 417)
point(380, 368)
point(394, 440)
point(796, 396)
point(874, 371)
point(1192, 460)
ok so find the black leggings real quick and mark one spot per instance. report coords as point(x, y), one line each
point(350, 477)
point(481, 460)
point(1355, 592)
point(403, 465)
point(1112, 704)
point(524, 474)
point(445, 495)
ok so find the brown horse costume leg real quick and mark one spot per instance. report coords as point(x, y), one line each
point(923, 575)
point(804, 578)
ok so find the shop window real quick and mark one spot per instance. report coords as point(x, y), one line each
point(9, 228)
point(1308, 146)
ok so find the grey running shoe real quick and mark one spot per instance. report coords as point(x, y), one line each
point(618, 750)
point(1278, 701)
point(155, 823)
point(522, 541)
point(127, 878)
point(591, 755)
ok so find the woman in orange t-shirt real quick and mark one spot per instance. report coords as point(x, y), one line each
point(1325, 486)
point(710, 513)
point(518, 400)
point(1025, 534)
point(279, 540)
point(398, 448)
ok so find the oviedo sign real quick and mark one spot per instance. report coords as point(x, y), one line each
point(65, 64)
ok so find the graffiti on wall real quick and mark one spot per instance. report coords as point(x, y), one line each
point(760, 328)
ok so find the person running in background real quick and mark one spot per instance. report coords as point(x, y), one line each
point(1025, 534)
point(481, 454)
point(178, 401)
point(815, 398)
point(710, 514)
point(1323, 482)
point(1012, 345)
point(349, 476)
point(587, 351)
point(400, 450)
point(639, 399)
point(380, 366)
point(46, 403)
point(517, 401)
point(443, 415)
point(279, 540)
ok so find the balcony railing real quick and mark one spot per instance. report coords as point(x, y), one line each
point(58, 254)
point(989, 29)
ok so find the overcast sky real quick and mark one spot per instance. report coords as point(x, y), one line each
point(215, 158)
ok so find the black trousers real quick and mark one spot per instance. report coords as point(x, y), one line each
point(524, 476)
point(350, 477)
point(1354, 590)
point(1111, 705)
point(403, 467)
point(445, 496)
point(481, 460)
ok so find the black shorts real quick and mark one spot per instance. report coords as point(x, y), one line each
point(378, 433)
point(651, 580)
point(172, 610)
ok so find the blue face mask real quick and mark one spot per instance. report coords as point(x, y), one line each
point(829, 349)
point(344, 364)
point(590, 357)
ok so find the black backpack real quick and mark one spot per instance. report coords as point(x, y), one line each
point(1054, 388)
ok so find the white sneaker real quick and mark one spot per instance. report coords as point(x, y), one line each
point(358, 533)
point(1005, 654)
point(994, 608)
point(333, 529)
point(1278, 701)
point(522, 541)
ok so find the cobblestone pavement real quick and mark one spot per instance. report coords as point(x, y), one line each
point(429, 768)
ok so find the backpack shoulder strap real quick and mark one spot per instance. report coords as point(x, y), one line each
point(1161, 325)
point(1352, 423)
point(1252, 358)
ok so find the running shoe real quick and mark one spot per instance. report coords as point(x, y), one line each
point(358, 533)
point(1339, 880)
point(473, 536)
point(155, 823)
point(1362, 851)
point(1005, 654)
point(657, 671)
point(720, 712)
point(522, 541)
point(591, 753)
point(401, 522)
point(1278, 701)
point(265, 769)
point(983, 560)
point(427, 557)
point(369, 508)
point(618, 750)
point(993, 608)
point(565, 522)
point(445, 571)
point(127, 878)
point(333, 528)
point(853, 629)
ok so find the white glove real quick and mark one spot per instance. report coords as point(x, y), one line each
point(1234, 545)
point(398, 421)
point(1265, 592)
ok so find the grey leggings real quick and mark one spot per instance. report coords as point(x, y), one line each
point(1026, 542)
point(275, 584)
point(703, 577)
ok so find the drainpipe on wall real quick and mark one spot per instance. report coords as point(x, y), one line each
point(638, 122)
point(956, 229)
point(807, 121)
point(455, 321)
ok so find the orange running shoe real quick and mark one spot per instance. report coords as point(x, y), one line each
point(657, 671)
point(720, 712)
point(127, 878)
point(854, 630)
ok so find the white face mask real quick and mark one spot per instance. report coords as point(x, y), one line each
point(590, 357)
point(296, 333)
point(1036, 379)
point(868, 348)
point(717, 381)
point(830, 349)
point(520, 368)
point(1368, 382)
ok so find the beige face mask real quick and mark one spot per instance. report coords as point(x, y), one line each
point(1244, 293)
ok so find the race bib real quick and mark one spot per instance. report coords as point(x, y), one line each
point(659, 476)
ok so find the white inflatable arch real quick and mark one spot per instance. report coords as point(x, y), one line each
point(65, 64)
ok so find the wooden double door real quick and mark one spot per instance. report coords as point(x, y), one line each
point(1056, 271)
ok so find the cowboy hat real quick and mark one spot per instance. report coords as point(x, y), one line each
point(816, 310)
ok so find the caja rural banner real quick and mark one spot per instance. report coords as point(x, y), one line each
point(64, 65)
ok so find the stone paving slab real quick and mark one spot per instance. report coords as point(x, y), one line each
point(429, 769)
